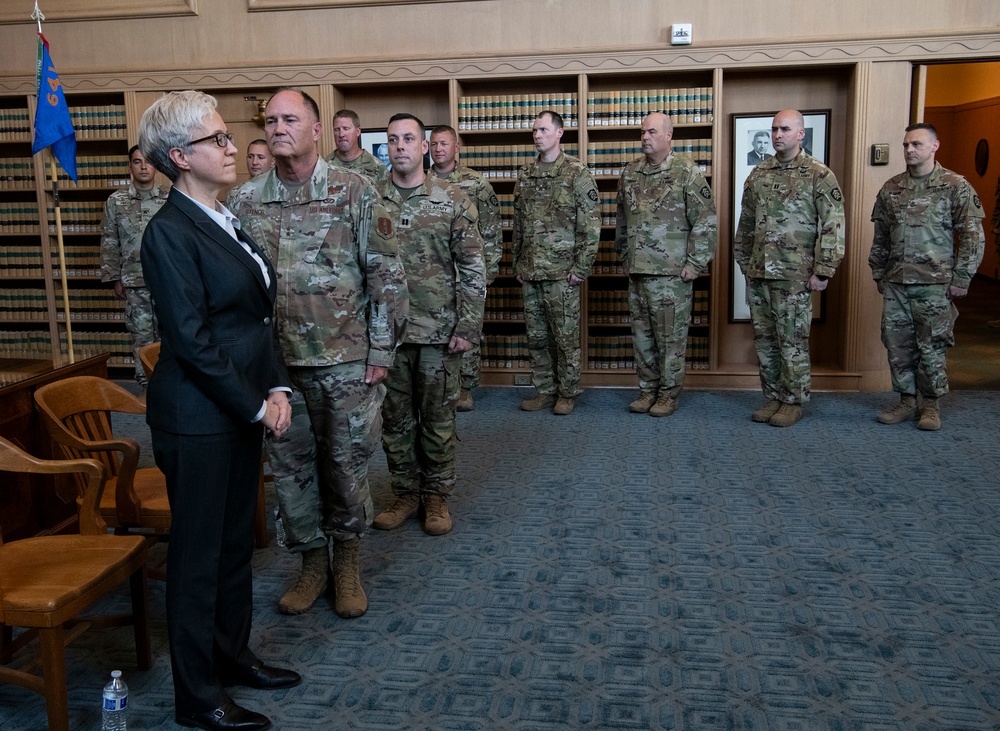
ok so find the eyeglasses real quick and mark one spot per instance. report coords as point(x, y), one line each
point(222, 139)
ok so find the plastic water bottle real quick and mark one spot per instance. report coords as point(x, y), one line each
point(115, 706)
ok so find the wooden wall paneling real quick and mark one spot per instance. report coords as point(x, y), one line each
point(69, 10)
point(428, 100)
point(719, 291)
point(918, 97)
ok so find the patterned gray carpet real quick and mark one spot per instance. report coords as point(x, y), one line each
point(613, 571)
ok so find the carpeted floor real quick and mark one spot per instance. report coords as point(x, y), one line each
point(613, 571)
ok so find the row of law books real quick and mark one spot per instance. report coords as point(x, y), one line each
point(607, 260)
point(18, 217)
point(78, 217)
point(608, 307)
point(21, 261)
point(97, 171)
point(610, 158)
point(614, 352)
point(504, 351)
point(514, 111)
point(99, 122)
point(90, 305)
point(17, 173)
point(501, 162)
point(27, 344)
point(691, 105)
point(504, 304)
point(87, 344)
point(81, 261)
point(23, 303)
point(15, 125)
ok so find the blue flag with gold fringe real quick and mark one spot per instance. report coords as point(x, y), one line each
point(53, 126)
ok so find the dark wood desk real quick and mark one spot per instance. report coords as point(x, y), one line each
point(27, 509)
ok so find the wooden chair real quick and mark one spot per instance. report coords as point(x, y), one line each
point(150, 356)
point(47, 581)
point(76, 412)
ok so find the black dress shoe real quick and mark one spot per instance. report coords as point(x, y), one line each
point(230, 717)
point(263, 677)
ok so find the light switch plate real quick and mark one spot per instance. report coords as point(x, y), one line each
point(880, 154)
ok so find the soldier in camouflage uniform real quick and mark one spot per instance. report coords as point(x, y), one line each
point(443, 256)
point(340, 308)
point(666, 236)
point(918, 215)
point(259, 158)
point(445, 145)
point(349, 154)
point(789, 242)
point(125, 217)
point(557, 229)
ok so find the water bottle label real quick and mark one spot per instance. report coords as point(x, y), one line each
point(116, 704)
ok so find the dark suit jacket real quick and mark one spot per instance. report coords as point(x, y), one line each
point(753, 158)
point(219, 354)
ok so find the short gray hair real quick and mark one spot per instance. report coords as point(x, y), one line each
point(169, 123)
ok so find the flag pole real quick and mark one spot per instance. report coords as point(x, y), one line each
point(62, 261)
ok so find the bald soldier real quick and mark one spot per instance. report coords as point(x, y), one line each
point(666, 236)
point(789, 243)
point(918, 216)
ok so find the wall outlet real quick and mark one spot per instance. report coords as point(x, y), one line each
point(522, 379)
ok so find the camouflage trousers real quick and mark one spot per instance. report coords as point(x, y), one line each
point(918, 323)
point(419, 434)
point(141, 323)
point(661, 309)
point(781, 312)
point(471, 365)
point(320, 464)
point(552, 325)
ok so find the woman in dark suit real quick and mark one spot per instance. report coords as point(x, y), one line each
point(219, 383)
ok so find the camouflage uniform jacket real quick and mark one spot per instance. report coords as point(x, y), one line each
point(916, 221)
point(125, 217)
point(366, 164)
point(557, 223)
point(443, 255)
point(341, 285)
point(666, 217)
point(481, 193)
point(792, 223)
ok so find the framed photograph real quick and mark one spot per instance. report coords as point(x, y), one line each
point(376, 141)
point(752, 145)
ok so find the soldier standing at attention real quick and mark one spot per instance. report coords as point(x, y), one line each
point(126, 214)
point(444, 147)
point(666, 236)
point(349, 154)
point(918, 215)
point(341, 309)
point(442, 253)
point(557, 229)
point(789, 242)
point(259, 158)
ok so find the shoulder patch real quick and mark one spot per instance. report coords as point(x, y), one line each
point(979, 203)
point(837, 195)
point(706, 193)
point(592, 194)
point(385, 226)
point(494, 201)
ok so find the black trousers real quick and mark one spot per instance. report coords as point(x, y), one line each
point(212, 485)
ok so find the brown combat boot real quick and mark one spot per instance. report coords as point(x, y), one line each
point(349, 598)
point(664, 406)
point(437, 519)
point(905, 410)
point(310, 585)
point(398, 513)
point(764, 413)
point(786, 415)
point(563, 407)
point(465, 402)
point(539, 402)
point(930, 415)
point(644, 403)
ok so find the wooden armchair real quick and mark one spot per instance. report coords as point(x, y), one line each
point(46, 581)
point(76, 412)
point(149, 354)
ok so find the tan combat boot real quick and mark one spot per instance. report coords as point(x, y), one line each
point(349, 598)
point(539, 402)
point(664, 406)
point(905, 410)
point(563, 407)
point(309, 587)
point(643, 404)
point(786, 415)
point(465, 402)
point(437, 519)
point(398, 513)
point(764, 413)
point(930, 415)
